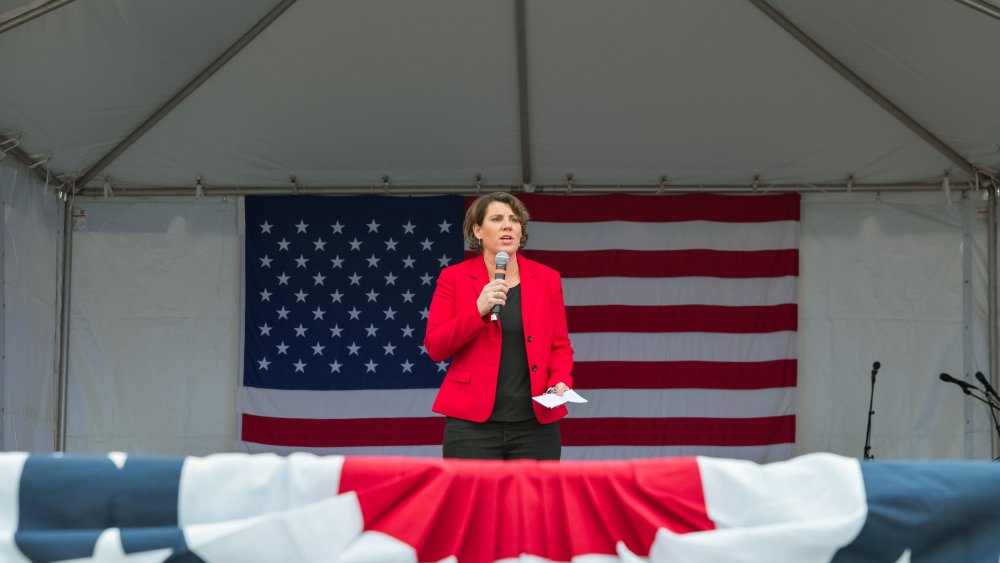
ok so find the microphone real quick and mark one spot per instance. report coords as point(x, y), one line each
point(875, 367)
point(966, 387)
point(501, 273)
point(989, 388)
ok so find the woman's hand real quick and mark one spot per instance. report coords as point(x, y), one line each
point(560, 388)
point(493, 293)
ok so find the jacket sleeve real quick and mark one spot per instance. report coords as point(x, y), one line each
point(561, 355)
point(453, 320)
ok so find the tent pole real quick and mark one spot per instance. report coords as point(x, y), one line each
point(186, 91)
point(991, 273)
point(32, 14)
point(64, 313)
point(522, 92)
point(866, 88)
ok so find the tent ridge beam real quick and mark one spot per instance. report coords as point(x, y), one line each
point(227, 191)
point(31, 14)
point(41, 171)
point(983, 7)
point(522, 90)
point(864, 86)
point(186, 91)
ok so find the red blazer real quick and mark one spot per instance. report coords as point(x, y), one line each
point(455, 329)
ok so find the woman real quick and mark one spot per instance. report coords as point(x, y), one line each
point(498, 366)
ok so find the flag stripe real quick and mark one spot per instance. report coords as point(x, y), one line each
point(332, 433)
point(724, 292)
point(678, 431)
point(671, 208)
point(670, 263)
point(674, 375)
point(603, 403)
point(683, 346)
point(611, 235)
point(682, 318)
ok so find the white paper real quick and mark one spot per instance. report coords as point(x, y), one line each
point(552, 400)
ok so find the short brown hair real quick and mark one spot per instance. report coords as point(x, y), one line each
point(476, 214)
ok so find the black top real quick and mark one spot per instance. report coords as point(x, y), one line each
point(513, 402)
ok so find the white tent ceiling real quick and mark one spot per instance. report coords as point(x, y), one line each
point(429, 94)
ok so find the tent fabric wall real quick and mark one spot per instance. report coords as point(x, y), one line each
point(155, 330)
point(882, 280)
point(32, 239)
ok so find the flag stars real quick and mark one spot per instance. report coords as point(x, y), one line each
point(300, 331)
point(352, 350)
point(426, 279)
point(445, 226)
point(265, 262)
point(265, 295)
point(444, 260)
point(408, 262)
point(263, 364)
point(408, 296)
point(390, 245)
point(318, 349)
point(371, 330)
point(265, 227)
point(355, 314)
point(338, 229)
point(390, 350)
point(442, 366)
point(371, 365)
point(373, 261)
point(408, 228)
point(424, 313)
point(355, 279)
point(265, 330)
point(283, 313)
point(426, 244)
point(282, 348)
point(391, 279)
point(301, 227)
point(335, 331)
point(337, 262)
point(320, 245)
point(423, 349)
point(373, 226)
point(300, 296)
point(372, 296)
point(407, 366)
point(335, 367)
point(300, 366)
point(407, 331)
point(283, 245)
point(301, 261)
point(355, 244)
point(283, 279)
point(318, 279)
point(318, 314)
point(390, 314)
point(335, 296)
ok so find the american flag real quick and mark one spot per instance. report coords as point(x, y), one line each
point(681, 309)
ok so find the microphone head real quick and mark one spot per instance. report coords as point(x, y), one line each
point(876, 365)
point(946, 377)
point(980, 377)
point(502, 259)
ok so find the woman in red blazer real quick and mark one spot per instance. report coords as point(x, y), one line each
point(497, 366)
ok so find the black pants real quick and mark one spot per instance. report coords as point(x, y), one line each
point(501, 440)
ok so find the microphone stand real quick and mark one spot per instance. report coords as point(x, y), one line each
point(871, 411)
point(993, 409)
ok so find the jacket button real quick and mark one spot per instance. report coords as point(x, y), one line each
point(529, 339)
point(534, 368)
